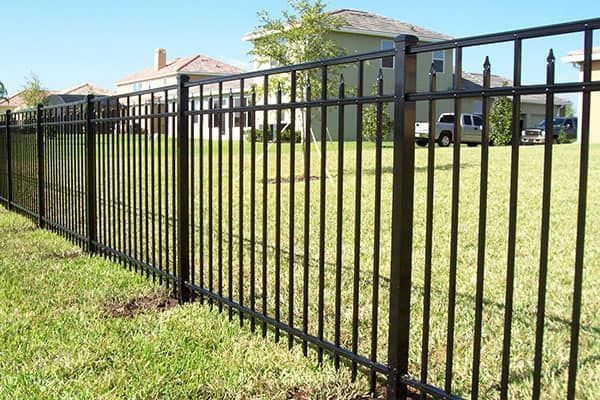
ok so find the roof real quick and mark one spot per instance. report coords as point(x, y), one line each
point(16, 100)
point(367, 23)
point(471, 81)
point(195, 65)
point(576, 56)
point(84, 88)
point(357, 21)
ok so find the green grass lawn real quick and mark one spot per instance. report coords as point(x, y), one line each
point(561, 253)
point(59, 342)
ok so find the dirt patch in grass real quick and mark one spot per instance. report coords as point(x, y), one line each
point(156, 302)
point(66, 254)
point(332, 391)
point(287, 179)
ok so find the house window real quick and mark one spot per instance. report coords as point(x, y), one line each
point(387, 62)
point(137, 86)
point(438, 61)
point(216, 118)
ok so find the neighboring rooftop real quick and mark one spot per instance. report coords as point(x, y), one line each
point(576, 56)
point(367, 23)
point(471, 81)
point(358, 21)
point(197, 64)
point(16, 100)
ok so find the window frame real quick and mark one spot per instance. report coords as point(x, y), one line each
point(438, 58)
point(383, 47)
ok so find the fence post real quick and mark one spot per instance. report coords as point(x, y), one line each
point(183, 229)
point(91, 217)
point(9, 161)
point(402, 216)
point(40, 172)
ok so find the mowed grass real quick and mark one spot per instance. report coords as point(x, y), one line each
point(225, 268)
point(58, 342)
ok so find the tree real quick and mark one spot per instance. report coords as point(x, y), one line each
point(3, 92)
point(299, 36)
point(501, 122)
point(33, 92)
point(568, 110)
point(370, 120)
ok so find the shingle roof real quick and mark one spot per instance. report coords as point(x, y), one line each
point(196, 64)
point(379, 24)
point(471, 81)
point(17, 101)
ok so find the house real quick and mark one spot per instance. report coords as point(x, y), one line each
point(16, 102)
point(165, 73)
point(533, 107)
point(363, 32)
point(576, 58)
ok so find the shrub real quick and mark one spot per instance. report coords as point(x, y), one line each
point(501, 122)
point(563, 137)
point(370, 123)
point(285, 135)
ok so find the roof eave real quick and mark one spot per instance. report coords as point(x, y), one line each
point(370, 32)
point(170, 74)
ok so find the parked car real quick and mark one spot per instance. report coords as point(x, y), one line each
point(568, 126)
point(471, 125)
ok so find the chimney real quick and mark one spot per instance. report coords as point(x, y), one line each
point(160, 59)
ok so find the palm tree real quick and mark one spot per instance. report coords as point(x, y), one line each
point(3, 92)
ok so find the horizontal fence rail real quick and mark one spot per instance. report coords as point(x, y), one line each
point(272, 196)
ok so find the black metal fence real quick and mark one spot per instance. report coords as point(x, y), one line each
point(310, 239)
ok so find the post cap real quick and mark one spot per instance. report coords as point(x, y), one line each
point(408, 39)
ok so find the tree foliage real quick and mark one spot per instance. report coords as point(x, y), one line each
point(3, 92)
point(501, 122)
point(370, 123)
point(33, 92)
point(299, 35)
point(370, 119)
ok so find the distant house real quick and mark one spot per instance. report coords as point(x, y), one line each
point(533, 107)
point(197, 67)
point(576, 58)
point(363, 32)
point(16, 102)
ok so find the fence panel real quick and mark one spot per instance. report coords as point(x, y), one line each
point(136, 182)
point(291, 199)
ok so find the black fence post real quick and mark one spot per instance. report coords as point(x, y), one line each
point(40, 171)
point(183, 229)
point(402, 216)
point(9, 161)
point(91, 217)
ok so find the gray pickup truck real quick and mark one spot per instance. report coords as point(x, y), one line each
point(471, 125)
point(537, 135)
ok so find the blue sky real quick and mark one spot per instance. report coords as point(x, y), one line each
point(70, 42)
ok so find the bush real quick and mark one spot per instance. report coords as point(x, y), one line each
point(285, 135)
point(563, 137)
point(370, 123)
point(501, 122)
